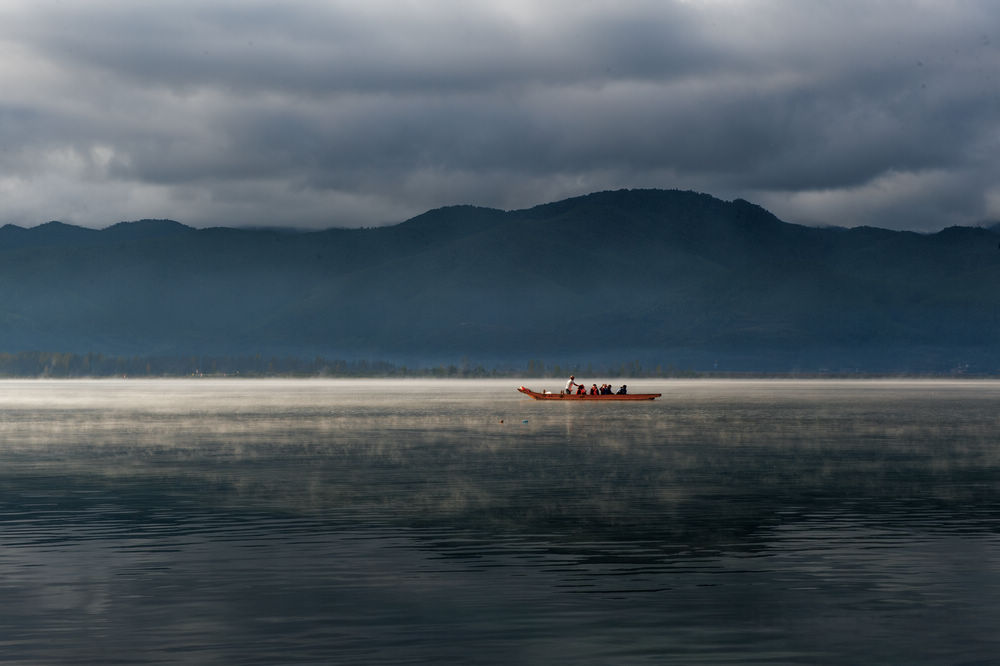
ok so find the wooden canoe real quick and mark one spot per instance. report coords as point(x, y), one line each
point(574, 396)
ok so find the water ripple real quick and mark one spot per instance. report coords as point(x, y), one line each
point(267, 522)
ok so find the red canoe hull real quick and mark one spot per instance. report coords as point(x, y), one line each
point(592, 398)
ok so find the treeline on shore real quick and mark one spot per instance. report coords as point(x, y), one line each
point(70, 365)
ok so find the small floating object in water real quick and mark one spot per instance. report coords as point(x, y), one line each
point(524, 421)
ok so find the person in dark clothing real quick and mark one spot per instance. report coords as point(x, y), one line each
point(623, 390)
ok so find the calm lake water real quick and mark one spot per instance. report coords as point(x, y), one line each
point(379, 522)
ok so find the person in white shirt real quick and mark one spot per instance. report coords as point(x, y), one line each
point(571, 383)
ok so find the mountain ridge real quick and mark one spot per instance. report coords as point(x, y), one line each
point(671, 277)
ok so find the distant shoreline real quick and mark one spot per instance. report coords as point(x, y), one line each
point(67, 365)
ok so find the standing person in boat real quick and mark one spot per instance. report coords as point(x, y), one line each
point(570, 384)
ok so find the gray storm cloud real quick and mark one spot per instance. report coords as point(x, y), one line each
point(323, 114)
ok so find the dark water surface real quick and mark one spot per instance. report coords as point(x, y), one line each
point(378, 522)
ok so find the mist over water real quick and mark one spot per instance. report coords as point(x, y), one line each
point(369, 521)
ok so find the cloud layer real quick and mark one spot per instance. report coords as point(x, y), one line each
point(318, 113)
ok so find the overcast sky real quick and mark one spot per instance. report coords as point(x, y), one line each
point(323, 113)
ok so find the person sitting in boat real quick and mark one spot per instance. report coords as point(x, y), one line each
point(593, 389)
point(582, 390)
point(623, 390)
point(605, 389)
point(570, 384)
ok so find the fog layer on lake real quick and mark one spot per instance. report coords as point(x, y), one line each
point(377, 521)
